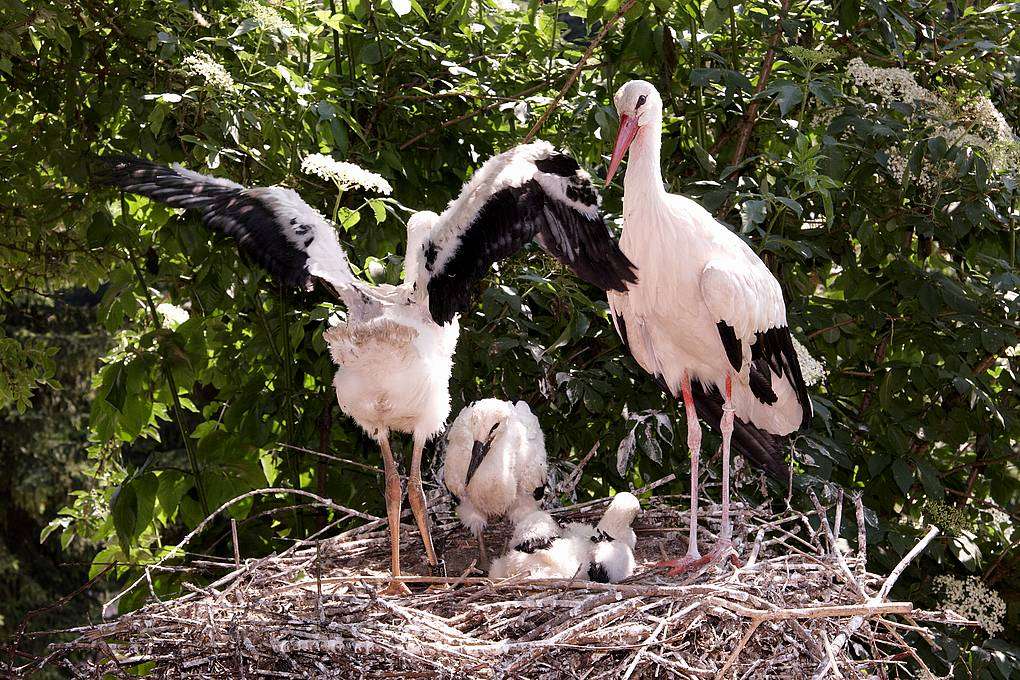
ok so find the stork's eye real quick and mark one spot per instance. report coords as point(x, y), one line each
point(641, 101)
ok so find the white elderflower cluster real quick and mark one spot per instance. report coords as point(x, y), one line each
point(345, 175)
point(972, 599)
point(267, 18)
point(812, 369)
point(930, 178)
point(215, 75)
point(824, 117)
point(891, 84)
point(172, 315)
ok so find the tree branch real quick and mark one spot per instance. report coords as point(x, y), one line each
point(624, 8)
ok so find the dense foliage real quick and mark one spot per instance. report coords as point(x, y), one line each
point(885, 200)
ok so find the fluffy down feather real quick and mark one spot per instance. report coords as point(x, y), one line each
point(504, 481)
point(565, 557)
point(604, 554)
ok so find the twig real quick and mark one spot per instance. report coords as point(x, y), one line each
point(470, 114)
point(570, 483)
point(907, 559)
point(736, 650)
point(836, 552)
point(233, 535)
point(750, 115)
point(624, 8)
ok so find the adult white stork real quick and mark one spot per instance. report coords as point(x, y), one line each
point(706, 317)
point(494, 465)
point(394, 352)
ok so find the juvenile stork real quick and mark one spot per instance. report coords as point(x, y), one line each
point(394, 352)
point(495, 465)
point(706, 318)
point(604, 553)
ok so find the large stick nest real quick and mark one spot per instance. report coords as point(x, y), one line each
point(802, 604)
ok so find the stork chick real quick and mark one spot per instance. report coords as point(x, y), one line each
point(612, 558)
point(495, 465)
point(604, 553)
point(541, 549)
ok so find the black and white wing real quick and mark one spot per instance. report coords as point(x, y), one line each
point(750, 313)
point(529, 192)
point(272, 225)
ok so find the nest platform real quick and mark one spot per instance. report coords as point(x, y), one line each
point(801, 606)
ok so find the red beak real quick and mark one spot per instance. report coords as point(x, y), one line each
point(628, 131)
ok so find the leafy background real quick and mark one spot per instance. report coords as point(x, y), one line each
point(894, 237)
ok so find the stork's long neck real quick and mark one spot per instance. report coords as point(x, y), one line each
point(643, 182)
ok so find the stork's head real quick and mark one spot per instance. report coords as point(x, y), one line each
point(487, 417)
point(620, 515)
point(639, 105)
point(419, 226)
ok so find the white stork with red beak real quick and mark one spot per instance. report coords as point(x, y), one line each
point(394, 351)
point(706, 317)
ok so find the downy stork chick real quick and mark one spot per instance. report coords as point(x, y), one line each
point(612, 558)
point(541, 549)
point(604, 553)
point(495, 465)
point(394, 351)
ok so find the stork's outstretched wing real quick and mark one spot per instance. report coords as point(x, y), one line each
point(271, 224)
point(529, 192)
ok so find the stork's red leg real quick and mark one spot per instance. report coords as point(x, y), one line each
point(416, 497)
point(393, 497)
point(726, 426)
point(693, 557)
point(723, 549)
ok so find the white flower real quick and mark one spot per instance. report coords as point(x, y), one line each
point(812, 369)
point(346, 175)
point(973, 600)
point(504, 5)
point(930, 178)
point(891, 84)
point(203, 66)
point(401, 7)
point(173, 316)
point(267, 18)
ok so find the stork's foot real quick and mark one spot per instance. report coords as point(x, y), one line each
point(395, 589)
point(722, 553)
point(682, 565)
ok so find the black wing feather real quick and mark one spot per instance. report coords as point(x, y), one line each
point(773, 350)
point(230, 210)
point(763, 449)
point(732, 345)
point(514, 215)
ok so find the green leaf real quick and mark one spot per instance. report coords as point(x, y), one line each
point(115, 378)
point(124, 508)
point(903, 474)
point(378, 209)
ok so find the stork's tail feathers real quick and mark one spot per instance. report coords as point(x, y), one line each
point(763, 449)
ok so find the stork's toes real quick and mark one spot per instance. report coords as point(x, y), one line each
point(395, 589)
point(682, 565)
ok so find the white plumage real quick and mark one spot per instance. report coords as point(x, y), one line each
point(394, 351)
point(707, 317)
point(495, 464)
point(604, 553)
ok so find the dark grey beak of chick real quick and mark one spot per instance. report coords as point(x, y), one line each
point(478, 453)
